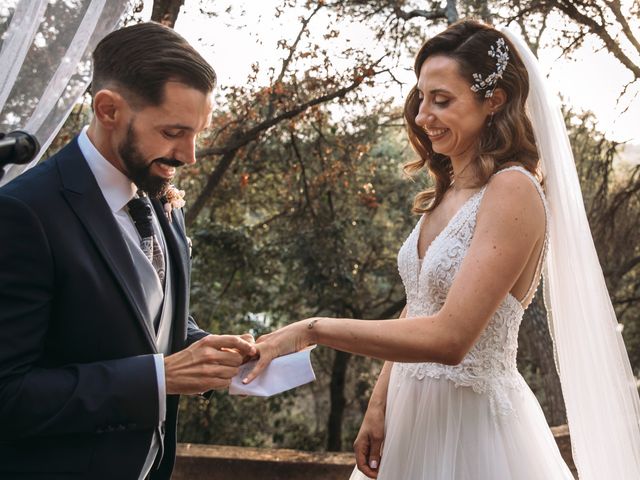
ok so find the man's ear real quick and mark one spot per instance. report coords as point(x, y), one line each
point(497, 100)
point(108, 108)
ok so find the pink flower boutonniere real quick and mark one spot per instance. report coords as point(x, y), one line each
point(174, 198)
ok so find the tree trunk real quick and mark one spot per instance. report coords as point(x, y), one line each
point(166, 11)
point(338, 400)
point(536, 360)
point(452, 11)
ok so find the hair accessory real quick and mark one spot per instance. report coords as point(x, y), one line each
point(499, 51)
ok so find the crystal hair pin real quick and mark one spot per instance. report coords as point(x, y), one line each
point(499, 51)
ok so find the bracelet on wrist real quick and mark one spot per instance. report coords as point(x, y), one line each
point(310, 326)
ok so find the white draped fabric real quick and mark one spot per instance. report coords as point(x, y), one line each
point(599, 389)
point(45, 59)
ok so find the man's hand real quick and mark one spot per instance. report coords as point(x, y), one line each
point(369, 442)
point(207, 364)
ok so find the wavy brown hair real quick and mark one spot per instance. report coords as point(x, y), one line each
point(509, 138)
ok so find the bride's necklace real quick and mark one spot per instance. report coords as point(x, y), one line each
point(454, 184)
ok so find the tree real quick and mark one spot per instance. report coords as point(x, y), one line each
point(166, 11)
point(326, 216)
point(614, 24)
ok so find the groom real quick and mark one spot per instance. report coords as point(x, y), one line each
point(96, 342)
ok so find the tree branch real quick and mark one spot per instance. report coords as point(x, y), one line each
point(213, 181)
point(614, 6)
point(242, 138)
point(438, 14)
point(166, 11)
point(292, 48)
point(303, 172)
point(452, 11)
point(610, 43)
point(626, 267)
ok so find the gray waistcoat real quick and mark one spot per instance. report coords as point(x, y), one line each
point(160, 309)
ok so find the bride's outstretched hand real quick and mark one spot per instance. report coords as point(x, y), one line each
point(289, 339)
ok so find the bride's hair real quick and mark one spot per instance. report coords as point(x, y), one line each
point(510, 136)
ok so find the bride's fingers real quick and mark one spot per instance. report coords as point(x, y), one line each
point(249, 339)
point(257, 370)
point(263, 362)
point(362, 449)
point(374, 453)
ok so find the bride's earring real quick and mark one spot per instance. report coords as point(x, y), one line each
point(490, 119)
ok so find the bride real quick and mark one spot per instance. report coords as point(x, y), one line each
point(449, 403)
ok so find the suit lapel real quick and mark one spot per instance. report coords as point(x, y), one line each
point(85, 198)
point(178, 249)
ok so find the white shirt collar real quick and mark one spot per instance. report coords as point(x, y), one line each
point(116, 187)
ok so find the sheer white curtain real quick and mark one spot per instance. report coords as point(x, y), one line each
point(45, 60)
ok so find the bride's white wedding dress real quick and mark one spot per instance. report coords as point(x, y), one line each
point(477, 420)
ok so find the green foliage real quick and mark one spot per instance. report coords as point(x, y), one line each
point(611, 190)
point(308, 223)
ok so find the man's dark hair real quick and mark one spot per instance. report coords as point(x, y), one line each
point(138, 61)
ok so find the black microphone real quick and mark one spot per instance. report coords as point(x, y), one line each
point(17, 147)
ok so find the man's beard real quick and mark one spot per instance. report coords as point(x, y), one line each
point(138, 171)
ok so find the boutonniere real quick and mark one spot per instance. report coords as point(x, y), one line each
point(174, 198)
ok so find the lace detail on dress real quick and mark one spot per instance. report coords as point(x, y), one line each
point(490, 366)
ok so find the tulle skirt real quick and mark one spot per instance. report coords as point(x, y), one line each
point(436, 430)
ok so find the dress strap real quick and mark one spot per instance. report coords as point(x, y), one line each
point(533, 179)
point(545, 246)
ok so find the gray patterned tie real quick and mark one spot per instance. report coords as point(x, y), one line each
point(140, 211)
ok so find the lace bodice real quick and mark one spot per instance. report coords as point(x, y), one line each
point(490, 366)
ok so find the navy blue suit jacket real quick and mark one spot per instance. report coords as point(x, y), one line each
point(78, 388)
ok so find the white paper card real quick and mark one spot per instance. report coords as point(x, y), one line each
point(282, 374)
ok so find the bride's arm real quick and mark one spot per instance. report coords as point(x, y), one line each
point(510, 223)
point(379, 395)
point(369, 440)
point(368, 443)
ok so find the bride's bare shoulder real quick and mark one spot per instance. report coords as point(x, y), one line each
point(514, 196)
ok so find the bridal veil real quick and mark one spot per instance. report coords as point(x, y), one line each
point(600, 391)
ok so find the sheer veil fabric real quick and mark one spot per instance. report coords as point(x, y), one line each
point(600, 391)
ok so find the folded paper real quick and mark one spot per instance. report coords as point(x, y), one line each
point(282, 374)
